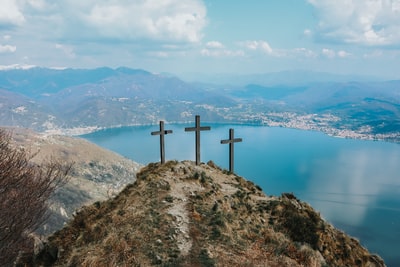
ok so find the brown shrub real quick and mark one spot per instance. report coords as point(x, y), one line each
point(24, 191)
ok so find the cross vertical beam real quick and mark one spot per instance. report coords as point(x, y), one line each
point(197, 129)
point(161, 133)
point(231, 142)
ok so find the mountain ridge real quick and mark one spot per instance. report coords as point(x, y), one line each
point(71, 101)
point(181, 214)
point(280, 78)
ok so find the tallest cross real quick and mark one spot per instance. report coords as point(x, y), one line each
point(197, 130)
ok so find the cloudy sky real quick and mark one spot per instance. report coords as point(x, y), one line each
point(205, 36)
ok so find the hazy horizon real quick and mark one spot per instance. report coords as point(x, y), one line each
point(205, 36)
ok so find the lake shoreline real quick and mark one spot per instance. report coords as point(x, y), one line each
point(347, 180)
point(333, 132)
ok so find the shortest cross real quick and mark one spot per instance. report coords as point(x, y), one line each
point(161, 133)
point(231, 142)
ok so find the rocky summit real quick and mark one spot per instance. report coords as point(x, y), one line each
point(181, 214)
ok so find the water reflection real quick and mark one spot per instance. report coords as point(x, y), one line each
point(358, 191)
point(354, 178)
point(354, 184)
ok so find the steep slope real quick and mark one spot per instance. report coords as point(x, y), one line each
point(97, 174)
point(19, 110)
point(180, 214)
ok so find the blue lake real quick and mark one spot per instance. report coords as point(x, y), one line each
point(355, 184)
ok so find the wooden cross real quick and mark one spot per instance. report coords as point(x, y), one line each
point(197, 130)
point(231, 142)
point(161, 133)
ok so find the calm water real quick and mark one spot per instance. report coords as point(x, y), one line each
point(355, 184)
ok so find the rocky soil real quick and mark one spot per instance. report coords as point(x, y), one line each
point(180, 214)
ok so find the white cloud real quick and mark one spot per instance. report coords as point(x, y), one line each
point(172, 20)
point(16, 67)
point(328, 53)
point(217, 49)
point(366, 22)
point(258, 45)
point(7, 49)
point(264, 47)
point(163, 21)
point(67, 50)
point(214, 44)
point(252, 45)
point(10, 14)
point(221, 53)
point(343, 54)
point(37, 4)
point(304, 52)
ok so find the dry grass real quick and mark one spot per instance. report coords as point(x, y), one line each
point(180, 214)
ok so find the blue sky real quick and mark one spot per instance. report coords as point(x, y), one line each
point(204, 36)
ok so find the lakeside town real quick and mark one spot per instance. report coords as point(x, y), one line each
point(322, 123)
point(357, 110)
point(327, 123)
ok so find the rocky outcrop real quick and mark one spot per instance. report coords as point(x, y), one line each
point(181, 214)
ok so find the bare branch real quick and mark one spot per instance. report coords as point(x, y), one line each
point(24, 191)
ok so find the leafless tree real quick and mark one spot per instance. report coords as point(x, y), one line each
point(25, 188)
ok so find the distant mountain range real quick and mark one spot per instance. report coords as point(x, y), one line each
point(76, 100)
point(45, 99)
point(290, 77)
point(358, 104)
